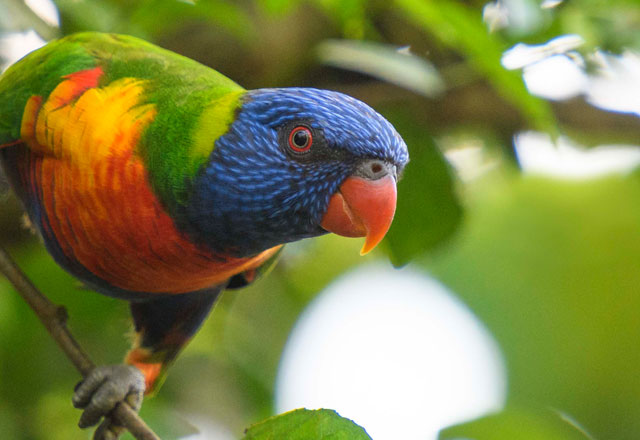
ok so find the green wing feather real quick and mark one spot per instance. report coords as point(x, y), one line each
point(195, 104)
point(36, 74)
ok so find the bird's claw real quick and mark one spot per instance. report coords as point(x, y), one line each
point(99, 393)
point(108, 430)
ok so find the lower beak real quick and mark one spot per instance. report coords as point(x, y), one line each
point(362, 208)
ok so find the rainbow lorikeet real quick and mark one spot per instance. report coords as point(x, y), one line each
point(157, 180)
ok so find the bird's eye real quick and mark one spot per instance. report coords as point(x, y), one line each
point(300, 139)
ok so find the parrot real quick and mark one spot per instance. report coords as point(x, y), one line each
point(157, 180)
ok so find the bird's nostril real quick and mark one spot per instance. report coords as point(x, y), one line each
point(375, 169)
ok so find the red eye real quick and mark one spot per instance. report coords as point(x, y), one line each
point(300, 139)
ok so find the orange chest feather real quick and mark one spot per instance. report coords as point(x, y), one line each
point(94, 190)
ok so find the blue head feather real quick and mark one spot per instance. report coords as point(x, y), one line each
point(252, 195)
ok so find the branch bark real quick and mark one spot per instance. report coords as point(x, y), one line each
point(54, 318)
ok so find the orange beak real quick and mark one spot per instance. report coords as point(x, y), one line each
point(362, 208)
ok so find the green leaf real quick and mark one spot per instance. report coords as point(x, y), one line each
point(518, 424)
point(385, 62)
point(428, 211)
point(304, 424)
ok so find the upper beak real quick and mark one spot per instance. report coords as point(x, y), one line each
point(364, 205)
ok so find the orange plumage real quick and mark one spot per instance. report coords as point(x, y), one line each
point(94, 189)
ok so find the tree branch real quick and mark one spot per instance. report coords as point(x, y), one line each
point(54, 319)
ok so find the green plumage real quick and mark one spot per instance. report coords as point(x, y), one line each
point(37, 74)
point(179, 140)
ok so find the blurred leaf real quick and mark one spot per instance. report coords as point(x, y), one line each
point(256, 322)
point(8, 427)
point(278, 7)
point(228, 15)
point(349, 14)
point(141, 18)
point(461, 28)
point(517, 424)
point(610, 26)
point(164, 419)
point(428, 211)
point(525, 17)
point(304, 424)
point(384, 62)
point(16, 16)
point(96, 15)
point(551, 267)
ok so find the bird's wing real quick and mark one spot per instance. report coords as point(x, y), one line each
point(107, 130)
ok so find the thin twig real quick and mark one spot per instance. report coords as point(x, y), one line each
point(54, 319)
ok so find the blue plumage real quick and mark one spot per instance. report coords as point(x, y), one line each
point(348, 124)
point(254, 195)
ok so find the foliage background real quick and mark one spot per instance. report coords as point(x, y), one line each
point(549, 265)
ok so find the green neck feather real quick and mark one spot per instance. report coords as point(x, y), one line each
point(181, 138)
point(195, 106)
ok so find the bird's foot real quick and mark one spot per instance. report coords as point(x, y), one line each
point(99, 393)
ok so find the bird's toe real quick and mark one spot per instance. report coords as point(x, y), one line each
point(99, 393)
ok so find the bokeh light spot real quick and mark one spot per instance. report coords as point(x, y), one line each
point(394, 351)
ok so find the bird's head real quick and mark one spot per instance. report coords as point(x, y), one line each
point(297, 163)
